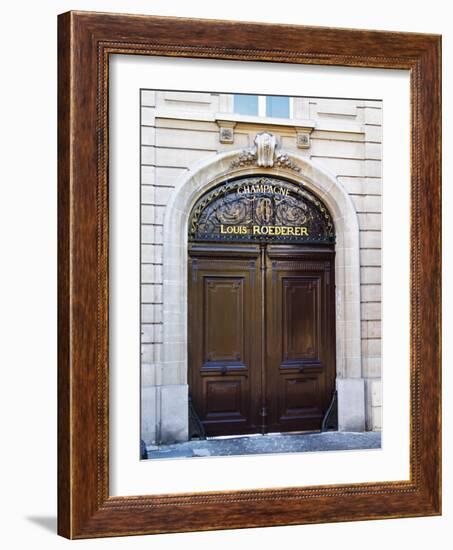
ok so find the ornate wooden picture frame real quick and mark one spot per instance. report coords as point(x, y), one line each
point(85, 507)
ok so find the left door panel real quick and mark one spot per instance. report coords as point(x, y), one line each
point(225, 338)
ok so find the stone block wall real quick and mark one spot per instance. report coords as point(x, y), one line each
point(179, 129)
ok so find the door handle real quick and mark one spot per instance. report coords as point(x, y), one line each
point(223, 370)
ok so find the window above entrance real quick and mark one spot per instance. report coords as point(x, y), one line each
point(277, 106)
point(261, 208)
point(263, 106)
point(246, 104)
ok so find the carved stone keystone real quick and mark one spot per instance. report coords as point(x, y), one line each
point(265, 149)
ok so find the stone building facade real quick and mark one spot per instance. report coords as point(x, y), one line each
point(190, 142)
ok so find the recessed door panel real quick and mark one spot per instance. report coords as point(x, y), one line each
point(299, 398)
point(224, 400)
point(301, 314)
point(224, 318)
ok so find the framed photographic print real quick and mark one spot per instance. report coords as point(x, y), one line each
point(249, 275)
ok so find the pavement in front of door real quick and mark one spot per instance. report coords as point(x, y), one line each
point(268, 444)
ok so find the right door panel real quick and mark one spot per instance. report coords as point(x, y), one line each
point(300, 330)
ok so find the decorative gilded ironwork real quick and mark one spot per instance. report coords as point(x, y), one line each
point(260, 208)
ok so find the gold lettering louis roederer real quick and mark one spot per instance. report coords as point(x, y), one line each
point(233, 229)
point(269, 230)
point(277, 230)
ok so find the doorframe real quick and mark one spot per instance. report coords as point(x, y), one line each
point(202, 177)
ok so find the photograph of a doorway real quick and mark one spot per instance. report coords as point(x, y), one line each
point(261, 274)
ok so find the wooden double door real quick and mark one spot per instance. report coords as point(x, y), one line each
point(261, 336)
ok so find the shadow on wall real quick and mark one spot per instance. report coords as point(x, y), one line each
point(48, 523)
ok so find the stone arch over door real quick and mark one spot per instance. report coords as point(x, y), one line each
point(172, 417)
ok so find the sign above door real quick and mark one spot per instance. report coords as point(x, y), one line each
point(261, 208)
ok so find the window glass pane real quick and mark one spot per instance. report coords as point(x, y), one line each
point(277, 106)
point(246, 104)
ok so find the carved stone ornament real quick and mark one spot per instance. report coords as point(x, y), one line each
point(264, 154)
point(245, 158)
point(265, 149)
point(303, 139)
point(226, 134)
point(283, 161)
